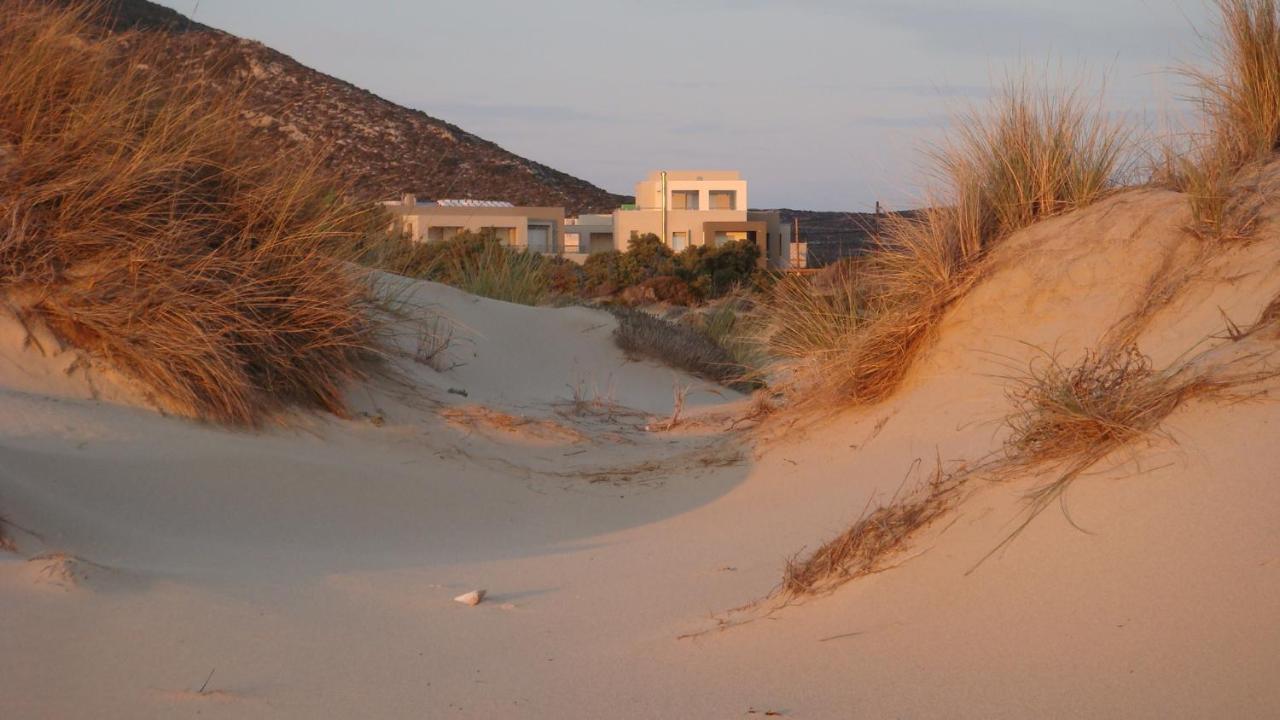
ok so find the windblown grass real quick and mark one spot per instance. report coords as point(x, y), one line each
point(500, 273)
point(734, 324)
point(1239, 97)
point(871, 542)
point(1071, 417)
point(816, 317)
point(1035, 153)
point(139, 224)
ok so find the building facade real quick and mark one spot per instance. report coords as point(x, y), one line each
point(685, 208)
point(538, 229)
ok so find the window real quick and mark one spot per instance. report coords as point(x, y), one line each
point(440, 233)
point(724, 200)
point(679, 240)
point(727, 236)
point(504, 235)
point(684, 199)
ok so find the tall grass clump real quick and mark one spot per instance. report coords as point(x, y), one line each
point(139, 224)
point(1035, 152)
point(500, 273)
point(1239, 97)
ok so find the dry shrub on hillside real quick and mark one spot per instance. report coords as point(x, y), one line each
point(1037, 152)
point(140, 225)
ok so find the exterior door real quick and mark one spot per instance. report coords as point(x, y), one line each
point(540, 238)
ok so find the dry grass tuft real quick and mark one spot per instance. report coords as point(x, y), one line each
point(875, 538)
point(1241, 96)
point(1103, 401)
point(1036, 153)
point(1070, 417)
point(1240, 100)
point(139, 224)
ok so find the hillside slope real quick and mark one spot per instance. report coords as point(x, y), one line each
point(382, 148)
point(313, 567)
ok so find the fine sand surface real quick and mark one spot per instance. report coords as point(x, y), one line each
point(311, 567)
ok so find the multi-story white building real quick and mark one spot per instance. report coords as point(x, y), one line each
point(684, 208)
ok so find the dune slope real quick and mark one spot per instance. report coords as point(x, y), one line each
point(311, 568)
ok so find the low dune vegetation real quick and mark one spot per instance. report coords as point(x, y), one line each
point(141, 226)
point(1041, 154)
point(1239, 99)
point(682, 346)
point(647, 272)
point(1034, 153)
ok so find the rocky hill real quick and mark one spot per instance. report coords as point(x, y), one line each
point(383, 149)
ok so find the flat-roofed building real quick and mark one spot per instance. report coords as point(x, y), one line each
point(539, 229)
point(701, 207)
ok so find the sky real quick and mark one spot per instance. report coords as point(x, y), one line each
point(822, 104)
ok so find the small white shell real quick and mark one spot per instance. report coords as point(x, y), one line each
point(472, 598)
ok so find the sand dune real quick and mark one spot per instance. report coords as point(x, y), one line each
point(312, 567)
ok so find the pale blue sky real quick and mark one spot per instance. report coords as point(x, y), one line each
point(823, 104)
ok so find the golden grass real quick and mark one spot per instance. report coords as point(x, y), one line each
point(1240, 100)
point(1036, 152)
point(1071, 417)
point(1241, 95)
point(877, 537)
point(139, 223)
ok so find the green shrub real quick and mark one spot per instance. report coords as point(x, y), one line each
point(605, 273)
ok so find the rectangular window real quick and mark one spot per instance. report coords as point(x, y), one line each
point(504, 235)
point(679, 240)
point(724, 200)
point(727, 236)
point(684, 199)
point(440, 233)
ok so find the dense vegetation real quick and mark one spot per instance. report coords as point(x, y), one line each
point(648, 271)
point(140, 224)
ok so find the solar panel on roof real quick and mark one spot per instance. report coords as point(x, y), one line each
point(474, 203)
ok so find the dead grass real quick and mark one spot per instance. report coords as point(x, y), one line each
point(1104, 400)
point(1071, 417)
point(1241, 94)
point(139, 224)
point(1239, 97)
point(875, 539)
point(1036, 152)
